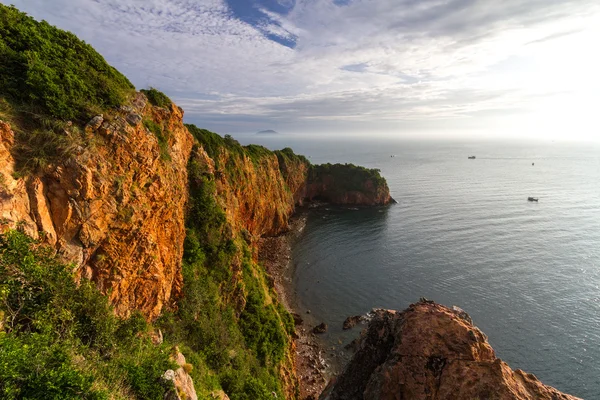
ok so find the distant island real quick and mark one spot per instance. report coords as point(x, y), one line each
point(268, 132)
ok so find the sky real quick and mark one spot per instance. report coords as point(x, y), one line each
point(414, 68)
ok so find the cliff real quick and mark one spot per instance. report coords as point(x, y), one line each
point(430, 351)
point(114, 207)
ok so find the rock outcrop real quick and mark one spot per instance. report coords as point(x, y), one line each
point(431, 352)
point(116, 208)
point(182, 381)
point(347, 184)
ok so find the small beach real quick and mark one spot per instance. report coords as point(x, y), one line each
point(275, 255)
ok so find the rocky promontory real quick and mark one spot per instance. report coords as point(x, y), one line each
point(347, 184)
point(430, 351)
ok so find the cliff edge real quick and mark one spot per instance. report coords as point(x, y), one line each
point(430, 351)
point(115, 206)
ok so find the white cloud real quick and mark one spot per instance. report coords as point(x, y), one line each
point(453, 60)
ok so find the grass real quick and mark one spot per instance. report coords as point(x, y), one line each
point(62, 340)
point(48, 77)
point(53, 72)
point(162, 135)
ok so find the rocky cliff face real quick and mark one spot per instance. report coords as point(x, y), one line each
point(431, 352)
point(116, 208)
point(258, 198)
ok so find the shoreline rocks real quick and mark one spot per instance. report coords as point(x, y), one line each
point(351, 322)
point(321, 328)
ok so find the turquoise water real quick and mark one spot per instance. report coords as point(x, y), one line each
point(463, 233)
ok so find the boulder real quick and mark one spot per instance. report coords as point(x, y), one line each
point(430, 351)
point(321, 328)
point(133, 119)
point(351, 322)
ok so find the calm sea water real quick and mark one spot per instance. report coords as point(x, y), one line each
point(463, 233)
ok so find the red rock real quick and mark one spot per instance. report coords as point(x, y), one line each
point(430, 351)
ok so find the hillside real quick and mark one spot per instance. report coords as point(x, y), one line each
point(129, 239)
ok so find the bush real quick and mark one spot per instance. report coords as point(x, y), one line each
point(157, 98)
point(35, 367)
point(51, 72)
point(62, 340)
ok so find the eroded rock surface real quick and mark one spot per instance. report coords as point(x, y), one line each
point(430, 351)
point(115, 209)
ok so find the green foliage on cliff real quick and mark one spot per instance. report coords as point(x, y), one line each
point(162, 135)
point(214, 144)
point(157, 98)
point(347, 177)
point(228, 320)
point(61, 340)
point(228, 155)
point(48, 77)
point(288, 159)
point(47, 71)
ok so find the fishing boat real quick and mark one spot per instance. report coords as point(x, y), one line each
point(532, 199)
point(471, 157)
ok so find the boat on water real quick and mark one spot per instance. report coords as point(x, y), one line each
point(532, 199)
point(471, 157)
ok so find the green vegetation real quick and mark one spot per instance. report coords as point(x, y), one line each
point(213, 144)
point(61, 340)
point(157, 98)
point(288, 159)
point(233, 327)
point(47, 77)
point(48, 71)
point(162, 135)
point(347, 177)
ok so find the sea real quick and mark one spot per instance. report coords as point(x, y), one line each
point(464, 233)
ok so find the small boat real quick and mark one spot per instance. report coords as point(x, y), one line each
point(532, 199)
point(532, 163)
point(471, 157)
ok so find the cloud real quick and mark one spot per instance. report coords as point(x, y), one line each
point(314, 63)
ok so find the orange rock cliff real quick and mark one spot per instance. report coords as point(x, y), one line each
point(116, 209)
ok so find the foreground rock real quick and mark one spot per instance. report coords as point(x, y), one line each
point(351, 322)
point(431, 352)
point(321, 328)
point(182, 381)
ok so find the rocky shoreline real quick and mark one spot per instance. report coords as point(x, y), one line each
point(274, 253)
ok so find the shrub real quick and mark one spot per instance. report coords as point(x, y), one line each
point(157, 98)
point(52, 72)
point(62, 339)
